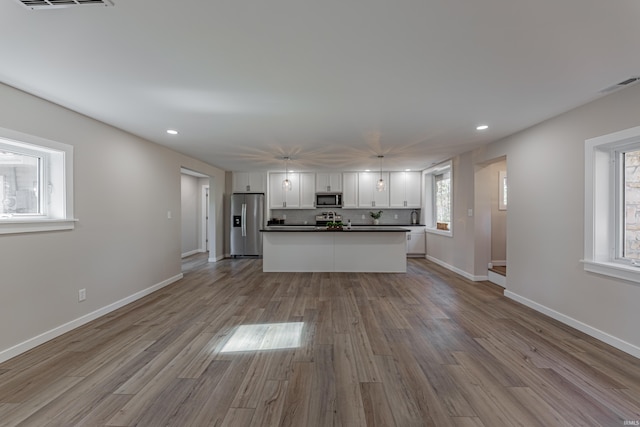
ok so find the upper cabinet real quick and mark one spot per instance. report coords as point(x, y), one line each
point(307, 190)
point(328, 182)
point(249, 182)
point(278, 197)
point(405, 189)
point(368, 196)
point(301, 196)
point(350, 190)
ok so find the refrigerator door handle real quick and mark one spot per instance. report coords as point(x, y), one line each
point(244, 220)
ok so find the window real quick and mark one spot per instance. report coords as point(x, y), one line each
point(438, 200)
point(630, 211)
point(20, 184)
point(612, 205)
point(502, 190)
point(443, 204)
point(36, 192)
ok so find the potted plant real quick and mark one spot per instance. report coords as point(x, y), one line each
point(376, 216)
point(332, 225)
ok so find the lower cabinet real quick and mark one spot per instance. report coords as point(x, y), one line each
point(416, 241)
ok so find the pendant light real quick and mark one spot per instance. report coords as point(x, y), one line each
point(380, 185)
point(286, 184)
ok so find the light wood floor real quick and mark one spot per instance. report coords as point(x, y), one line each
point(425, 348)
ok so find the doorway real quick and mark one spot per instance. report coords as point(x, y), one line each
point(491, 195)
point(195, 210)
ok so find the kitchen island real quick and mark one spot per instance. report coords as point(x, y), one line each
point(316, 249)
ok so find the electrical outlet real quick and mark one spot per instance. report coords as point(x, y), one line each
point(169, 216)
point(362, 216)
point(284, 216)
point(395, 216)
point(82, 295)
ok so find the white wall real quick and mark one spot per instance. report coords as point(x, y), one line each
point(123, 243)
point(545, 222)
point(190, 209)
point(498, 217)
point(457, 252)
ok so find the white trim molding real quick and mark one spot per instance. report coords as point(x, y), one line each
point(576, 324)
point(456, 270)
point(602, 204)
point(76, 323)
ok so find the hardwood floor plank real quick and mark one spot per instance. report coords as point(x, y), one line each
point(17, 413)
point(349, 399)
point(218, 396)
point(295, 411)
point(100, 414)
point(376, 406)
point(427, 347)
point(403, 407)
point(501, 396)
point(161, 362)
point(547, 415)
point(205, 387)
point(250, 391)
point(238, 417)
point(553, 388)
point(269, 409)
point(468, 422)
point(16, 390)
point(487, 408)
point(322, 402)
point(304, 353)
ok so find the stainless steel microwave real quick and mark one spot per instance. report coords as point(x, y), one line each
point(328, 200)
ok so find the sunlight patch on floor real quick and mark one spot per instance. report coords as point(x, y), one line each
point(266, 336)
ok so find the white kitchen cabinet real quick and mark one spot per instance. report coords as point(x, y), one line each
point(301, 196)
point(249, 182)
point(328, 182)
point(307, 190)
point(368, 196)
point(416, 241)
point(350, 190)
point(278, 198)
point(405, 190)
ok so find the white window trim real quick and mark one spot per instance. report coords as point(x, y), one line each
point(60, 214)
point(429, 215)
point(600, 211)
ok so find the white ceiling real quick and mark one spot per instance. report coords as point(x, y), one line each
point(330, 83)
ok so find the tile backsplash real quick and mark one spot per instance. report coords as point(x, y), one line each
point(308, 216)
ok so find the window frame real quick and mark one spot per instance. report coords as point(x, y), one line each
point(604, 204)
point(429, 176)
point(57, 184)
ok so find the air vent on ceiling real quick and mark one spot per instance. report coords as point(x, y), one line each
point(55, 4)
point(629, 81)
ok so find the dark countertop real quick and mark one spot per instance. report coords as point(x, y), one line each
point(314, 229)
point(352, 225)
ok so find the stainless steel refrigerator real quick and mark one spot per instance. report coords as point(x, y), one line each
point(247, 218)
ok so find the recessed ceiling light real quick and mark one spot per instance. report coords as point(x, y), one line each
point(367, 170)
point(172, 132)
point(482, 127)
point(407, 170)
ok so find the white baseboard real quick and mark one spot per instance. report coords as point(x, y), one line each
point(193, 252)
point(216, 259)
point(498, 279)
point(62, 329)
point(582, 327)
point(457, 270)
point(498, 263)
